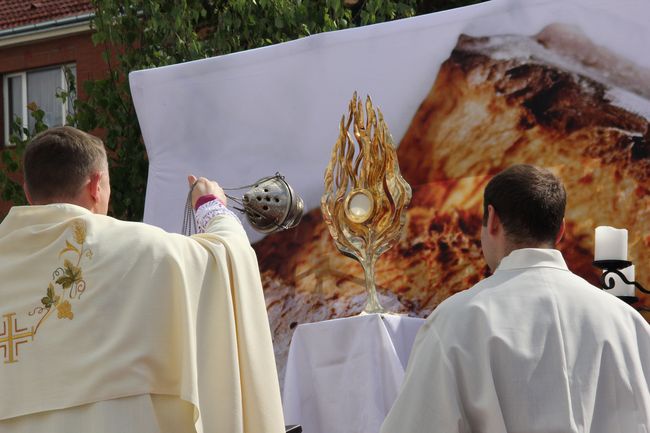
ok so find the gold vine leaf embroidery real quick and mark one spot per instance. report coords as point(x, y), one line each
point(71, 275)
point(51, 298)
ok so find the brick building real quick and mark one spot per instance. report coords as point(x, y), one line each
point(39, 41)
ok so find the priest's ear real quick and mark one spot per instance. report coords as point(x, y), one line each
point(94, 186)
point(560, 233)
point(493, 221)
point(27, 194)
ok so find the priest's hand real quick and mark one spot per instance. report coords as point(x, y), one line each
point(203, 186)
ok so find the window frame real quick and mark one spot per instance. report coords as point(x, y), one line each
point(5, 97)
point(24, 117)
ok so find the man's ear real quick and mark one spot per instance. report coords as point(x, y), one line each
point(493, 222)
point(560, 233)
point(93, 186)
point(27, 195)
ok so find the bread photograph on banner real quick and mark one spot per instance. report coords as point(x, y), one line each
point(553, 99)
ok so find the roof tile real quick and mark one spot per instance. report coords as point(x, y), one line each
point(18, 13)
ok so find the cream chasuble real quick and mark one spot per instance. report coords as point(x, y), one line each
point(143, 413)
point(531, 349)
point(105, 315)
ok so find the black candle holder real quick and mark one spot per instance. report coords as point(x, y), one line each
point(613, 267)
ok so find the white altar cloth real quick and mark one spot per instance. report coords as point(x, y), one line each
point(343, 375)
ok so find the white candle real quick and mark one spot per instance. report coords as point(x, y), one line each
point(611, 243)
point(620, 288)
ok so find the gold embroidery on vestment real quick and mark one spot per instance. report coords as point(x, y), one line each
point(67, 283)
point(12, 336)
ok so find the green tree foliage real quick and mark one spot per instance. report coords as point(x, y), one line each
point(10, 183)
point(139, 34)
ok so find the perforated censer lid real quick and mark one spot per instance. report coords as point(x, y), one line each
point(272, 205)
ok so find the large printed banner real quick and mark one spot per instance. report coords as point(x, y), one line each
point(467, 92)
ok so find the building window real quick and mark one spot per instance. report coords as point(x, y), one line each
point(41, 87)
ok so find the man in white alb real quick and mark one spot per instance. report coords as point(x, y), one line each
point(533, 348)
point(113, 326)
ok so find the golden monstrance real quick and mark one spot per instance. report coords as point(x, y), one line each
point(365, 199)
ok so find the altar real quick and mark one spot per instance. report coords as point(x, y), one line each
point(335, 365)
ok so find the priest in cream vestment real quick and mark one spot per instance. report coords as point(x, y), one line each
point(533, 348)
point(112, 326)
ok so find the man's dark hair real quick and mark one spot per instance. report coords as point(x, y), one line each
point(530, 202)
point(58, 161)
